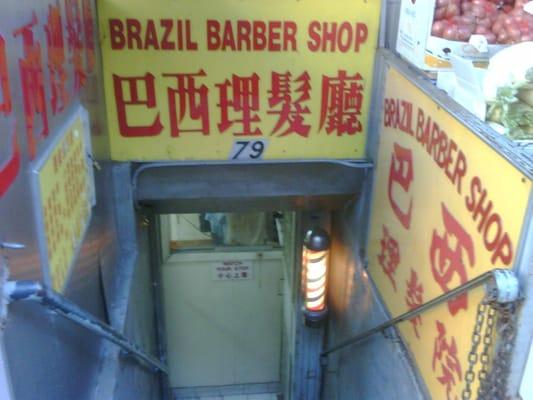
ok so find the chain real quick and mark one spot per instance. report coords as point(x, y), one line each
point(502, 355)
point(473, 356)
point(493, 372)
point(483, 374)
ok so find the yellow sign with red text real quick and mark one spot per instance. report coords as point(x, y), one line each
point(233, 79)
point(65, 188)
point(446, 208)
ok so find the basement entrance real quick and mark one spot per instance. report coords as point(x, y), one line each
point(223, 284)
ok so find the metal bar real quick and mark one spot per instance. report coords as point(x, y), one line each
point(35, 291)
point(414, 312)
point(356, 163)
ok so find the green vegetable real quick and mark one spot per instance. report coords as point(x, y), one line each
point(513, 108)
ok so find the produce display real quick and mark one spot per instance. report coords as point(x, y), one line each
point(500, 21)
point(508, 90)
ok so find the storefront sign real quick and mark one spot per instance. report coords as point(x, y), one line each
point(446, 208)
point(237, 79)
point(64, 190)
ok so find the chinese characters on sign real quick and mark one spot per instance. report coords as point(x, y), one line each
point(282, 73)
point(232, 271)
point(65, 188)
point(238, 96)
point(440, 218)
point(44, 72)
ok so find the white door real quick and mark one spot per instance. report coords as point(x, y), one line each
point(223, 317)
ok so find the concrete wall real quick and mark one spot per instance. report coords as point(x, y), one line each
point(379, 367)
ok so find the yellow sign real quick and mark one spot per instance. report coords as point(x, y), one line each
point(442, 215)
point(65, 189)
point(233, 79)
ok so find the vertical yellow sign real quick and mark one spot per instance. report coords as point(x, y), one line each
point(233, 79)
point(65, 197)
point(446, 208)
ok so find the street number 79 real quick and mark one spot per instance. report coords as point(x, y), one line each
point(248, 149)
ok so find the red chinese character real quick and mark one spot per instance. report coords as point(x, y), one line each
point(342, 99)
point(88, 28)
point(290, 110)
point(75, 43)
point(414, 299)
point(445, 352)
point(56, 58)
point(131, 98)
point(189, 97)
point(401, 173)
point(446, 255)
point(5, 91)
point(389, 258)
point(10, 168)
point(243, 99)
point(32, 81)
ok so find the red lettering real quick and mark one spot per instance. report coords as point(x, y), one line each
point(116, 34)
point(361, 35)
point(274, 36)
point(503, 251)
point(401, 173)
point(179, 32)
point(243, 35)
point(56, 59)
point(5, 91)
point(476, 206)
point(446, 256)
point(167, 25)
point(313, 44)
point(243, 99)
point(32, 85)
point(150, 36)
point(260, 39)
point(190, 43)
point(459, 171)
point(289, 34)
point(445, 352)
point(490, 224)
point(228, 40)
point(420, 132)
point(75, 43)
point(213, 34)
point(389, 256)
point(329, 36)
point(10, 168)
point(342, 99)
point(131, 97)
point(187, 97)
point(414, 298)
point(133, 28)
point(332, 37)
point(289, 107)
point(88, 27)
point(345, 37)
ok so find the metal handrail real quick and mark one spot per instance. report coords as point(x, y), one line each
point(35, 291)
point(485, 277)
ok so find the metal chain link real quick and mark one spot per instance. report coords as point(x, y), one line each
point(494, 361)
point(502, 355)
point(473, 356)
point(483, 374)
